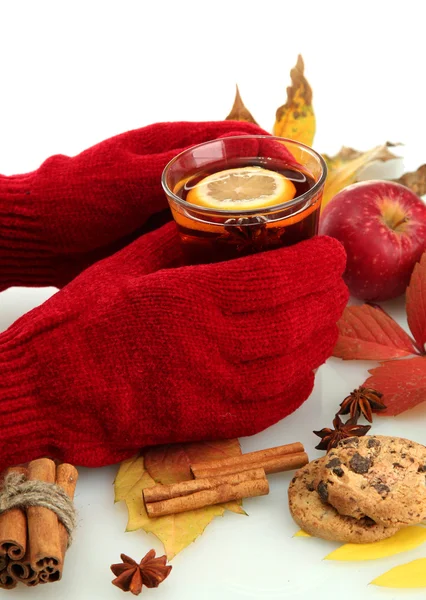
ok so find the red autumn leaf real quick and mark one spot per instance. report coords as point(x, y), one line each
point(369, 333)
point(402, 383)
point(416, 303)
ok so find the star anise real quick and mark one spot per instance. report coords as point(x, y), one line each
point(254, 237)
point(131, 576)
point(331, 437)
point(362, 401)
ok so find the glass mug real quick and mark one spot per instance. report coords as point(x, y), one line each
point(217, 227)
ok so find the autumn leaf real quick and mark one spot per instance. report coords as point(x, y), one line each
point(302, 533)
point(175, 531)
point(369, 333)
point(346, 167)
point(410, 575)
point(402, 541)
point(402, 383)
point(416, 303)
point(239, 112)
point(170, 463)
point(416, 180)
point(296, 119)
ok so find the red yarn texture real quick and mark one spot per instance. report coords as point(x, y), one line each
point(137, 349)
point(73, 211)
point(127, 355)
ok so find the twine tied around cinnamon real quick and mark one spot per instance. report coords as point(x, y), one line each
point(19, 492)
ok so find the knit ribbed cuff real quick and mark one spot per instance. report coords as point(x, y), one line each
point(23, 418)
point(25, 256)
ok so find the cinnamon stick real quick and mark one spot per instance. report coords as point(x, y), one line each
point(272, 460)
point(13, 528)
point(180, 497)
point(278, 464)
point(22, 571)
point(6, 581)
point(49, 574)
point(66, 478)
point(43, 528)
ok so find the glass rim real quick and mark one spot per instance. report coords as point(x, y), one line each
point(248, 211)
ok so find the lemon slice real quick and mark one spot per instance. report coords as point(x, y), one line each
point(241, 189)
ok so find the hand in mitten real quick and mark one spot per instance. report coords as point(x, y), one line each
point(73, 211)
point(128, 355)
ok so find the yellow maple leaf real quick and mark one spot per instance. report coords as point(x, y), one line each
point(170, 464)
point(405, 539)
point(296, 119)
point(346, 167)
point(409, 575)
point(239, 112)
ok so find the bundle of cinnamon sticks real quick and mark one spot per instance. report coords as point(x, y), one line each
point(32, 541)
point(224, 480)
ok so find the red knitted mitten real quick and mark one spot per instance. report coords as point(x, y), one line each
point(127, 355)
point(71, 212)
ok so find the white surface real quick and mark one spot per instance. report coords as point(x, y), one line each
point(74, 73)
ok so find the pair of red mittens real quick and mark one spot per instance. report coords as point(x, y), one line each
point(139, 349)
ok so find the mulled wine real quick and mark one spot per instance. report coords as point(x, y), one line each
point(238, 205)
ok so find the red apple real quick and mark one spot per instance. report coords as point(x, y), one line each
point(382, 226)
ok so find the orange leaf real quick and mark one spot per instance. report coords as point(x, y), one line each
point(416, 302)
point(369, 333)
point(402, 383)
point(170, 463)
point(239, 112)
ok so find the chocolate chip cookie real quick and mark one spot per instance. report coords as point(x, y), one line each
point(314, 515)
point(380, 477)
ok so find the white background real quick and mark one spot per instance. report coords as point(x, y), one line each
point(74, 73)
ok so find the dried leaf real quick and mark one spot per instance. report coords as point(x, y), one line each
point(296, 119)
point(239, 112)
point(402, 383)
point(347, 165)
point(415, 180)
point(405, 539)
point(175, 531)
point(410, 575)
point(416, 303)
point(369, 333)
point(170, 463)
point(302, 533)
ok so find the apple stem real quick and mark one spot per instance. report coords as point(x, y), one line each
point(403, 220)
